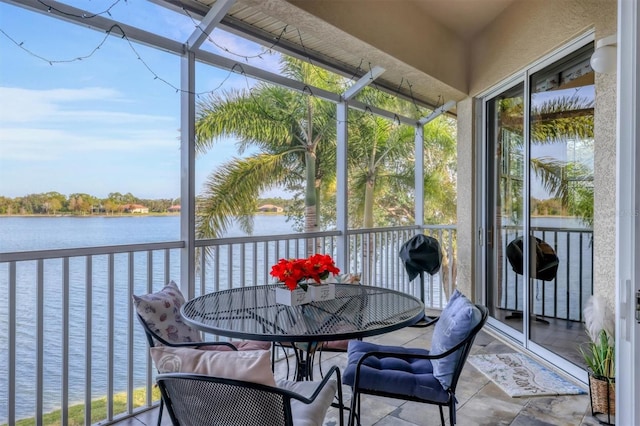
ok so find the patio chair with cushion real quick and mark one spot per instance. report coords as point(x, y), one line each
point(159, 314)
point(416, 374)
point(194, 399)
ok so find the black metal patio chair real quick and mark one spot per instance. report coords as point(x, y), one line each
point(417, 374)
point(196, 400)
point(159, 315)
point(154, 339)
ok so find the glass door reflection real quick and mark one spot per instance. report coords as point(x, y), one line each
point(505, 125)
point(561, 201)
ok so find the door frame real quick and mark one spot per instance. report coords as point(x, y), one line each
point(628, 208)
point(519, 338)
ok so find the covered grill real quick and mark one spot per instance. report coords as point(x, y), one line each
point(421, 254)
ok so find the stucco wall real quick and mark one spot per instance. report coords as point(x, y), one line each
point(528, 30)
point(466, 198)
point(604, 232)
point(523, 34)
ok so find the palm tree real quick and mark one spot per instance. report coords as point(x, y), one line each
point(382, 169)
point(378, 153)
point(382, 166)
point(295, 139)
point(566, 119)
point(294, 135)
point(559, 120)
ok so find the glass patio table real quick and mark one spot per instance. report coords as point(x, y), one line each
point(252, 313)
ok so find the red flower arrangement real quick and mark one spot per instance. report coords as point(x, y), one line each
point(292, 271)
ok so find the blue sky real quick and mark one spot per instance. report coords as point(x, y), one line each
point(105, 123)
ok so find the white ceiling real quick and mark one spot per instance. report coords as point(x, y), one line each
point(464, 17)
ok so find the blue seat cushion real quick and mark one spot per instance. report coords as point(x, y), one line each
point(456, 321)
point(412, 377)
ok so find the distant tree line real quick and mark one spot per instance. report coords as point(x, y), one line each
point(54, 203)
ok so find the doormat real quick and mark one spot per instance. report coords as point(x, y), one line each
point(520, 376)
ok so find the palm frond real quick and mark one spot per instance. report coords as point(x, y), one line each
point(232, 190)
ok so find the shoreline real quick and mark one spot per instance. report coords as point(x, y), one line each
point(79, 216)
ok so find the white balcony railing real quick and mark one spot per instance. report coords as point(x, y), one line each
point(67, 328)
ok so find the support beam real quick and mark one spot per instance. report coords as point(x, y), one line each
point(437, 112)
point(187, 173)
point(342, 115)
point(360, 106)
point(419, 176)
point(209, 22)
point(364, 81)
point(342, 222)
point(269, 77)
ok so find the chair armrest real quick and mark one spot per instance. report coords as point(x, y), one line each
point(390, 354)
point(425, 321)
point(321, 385)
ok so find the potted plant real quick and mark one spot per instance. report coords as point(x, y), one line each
point(599, 355)
point(301, 275)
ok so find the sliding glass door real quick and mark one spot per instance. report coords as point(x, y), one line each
point(505, 130)
point(539, 166)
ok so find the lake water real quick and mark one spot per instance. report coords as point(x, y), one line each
point(41, 233)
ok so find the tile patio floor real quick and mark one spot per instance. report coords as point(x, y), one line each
point(480, 401)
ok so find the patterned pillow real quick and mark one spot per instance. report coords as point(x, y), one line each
point(457, 320)
point(161, 312)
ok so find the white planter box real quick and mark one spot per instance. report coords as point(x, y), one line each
point(284, 296)
point(320, 292)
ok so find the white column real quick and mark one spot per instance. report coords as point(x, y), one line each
point(342, 255)
point(419, 175)
point(187, 174)
point(419, 161)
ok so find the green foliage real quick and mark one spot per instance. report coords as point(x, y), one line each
point(581, 203)
point(548, 207)
point(54, 203)
point(599, 356)
point(292, 139)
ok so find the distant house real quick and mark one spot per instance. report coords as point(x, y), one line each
point(135, 208)
point(270, 208)
point(174, 209)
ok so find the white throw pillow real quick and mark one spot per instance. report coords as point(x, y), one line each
point(310, 414)
point(250, 366)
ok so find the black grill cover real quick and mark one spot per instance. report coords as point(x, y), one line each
point(421, 253)
point(545, 264)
